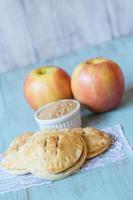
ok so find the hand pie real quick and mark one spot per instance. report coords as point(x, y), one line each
point(97, 141)
point(64, 161)
point(54, 152)
point(12, 159)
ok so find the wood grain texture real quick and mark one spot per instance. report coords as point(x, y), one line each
point(113, 181)
point(35, 31)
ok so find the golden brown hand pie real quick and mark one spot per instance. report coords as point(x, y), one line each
point(54, 152)
point(97, 141)
point(12, 159)
point(43, 173)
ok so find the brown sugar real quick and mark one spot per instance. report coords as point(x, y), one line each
point(56, 110)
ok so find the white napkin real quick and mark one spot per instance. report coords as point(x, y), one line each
point(119, 150)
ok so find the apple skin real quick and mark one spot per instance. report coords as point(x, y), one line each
point(46, 84)
point(99, 84)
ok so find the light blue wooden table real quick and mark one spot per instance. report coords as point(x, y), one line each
point(112, 182)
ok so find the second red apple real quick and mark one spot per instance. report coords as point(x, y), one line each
point(99, 84)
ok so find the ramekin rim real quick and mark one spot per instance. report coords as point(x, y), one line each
point(59, 119)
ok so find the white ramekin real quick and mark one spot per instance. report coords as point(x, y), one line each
point(70, 120)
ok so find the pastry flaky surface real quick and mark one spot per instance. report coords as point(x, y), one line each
point(13, 158)
point(54, 152)
point(97, 141)
point(43, 173)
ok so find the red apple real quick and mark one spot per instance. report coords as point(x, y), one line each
point(46, 84)
point(98, 83)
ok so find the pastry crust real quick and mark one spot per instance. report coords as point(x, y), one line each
point(42, 173)
point(97, 141)
point(54, 151)
point(12, 158)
